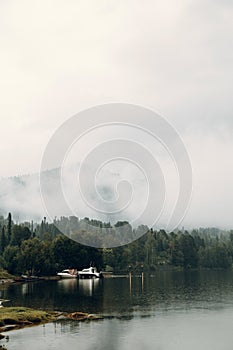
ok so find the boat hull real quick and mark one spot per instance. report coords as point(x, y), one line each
point(89, 275)
point(66, 275)
point(28, 279)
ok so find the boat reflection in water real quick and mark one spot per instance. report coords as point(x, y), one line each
point(84, 287)
point(68, 284)
point(88, 287)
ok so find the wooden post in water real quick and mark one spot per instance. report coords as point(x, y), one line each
point(142, 277)
point(130, 282)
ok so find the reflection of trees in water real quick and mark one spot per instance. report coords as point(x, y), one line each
point(119, 296)
point(65, 295)
point(35, 294)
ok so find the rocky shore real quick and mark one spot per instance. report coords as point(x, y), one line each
point(19, 317)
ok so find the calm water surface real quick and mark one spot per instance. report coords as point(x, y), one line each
point(171, 310)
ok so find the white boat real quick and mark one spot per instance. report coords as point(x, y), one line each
point(68, 273)
point(91, 272)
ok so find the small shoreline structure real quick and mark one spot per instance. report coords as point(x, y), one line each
point(27, 278)
point(3, 301)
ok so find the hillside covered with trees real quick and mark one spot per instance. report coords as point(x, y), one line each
point(42, 249)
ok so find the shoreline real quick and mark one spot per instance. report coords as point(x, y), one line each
point(165, 268)
point(13, 318)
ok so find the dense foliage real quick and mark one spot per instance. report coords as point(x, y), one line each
point(42, 249)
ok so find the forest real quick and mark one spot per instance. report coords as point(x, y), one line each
point(41, 249)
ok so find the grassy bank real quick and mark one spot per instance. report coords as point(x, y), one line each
point(12, 318)
point(21, 316)
point(18, 317)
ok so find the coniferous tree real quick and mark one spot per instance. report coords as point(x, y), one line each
point(3, 241)
point(9, 227)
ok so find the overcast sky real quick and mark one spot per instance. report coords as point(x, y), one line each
point(176, 57)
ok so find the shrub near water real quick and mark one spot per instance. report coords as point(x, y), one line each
point(5, 275)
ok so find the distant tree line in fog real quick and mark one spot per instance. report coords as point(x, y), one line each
point(42, 249)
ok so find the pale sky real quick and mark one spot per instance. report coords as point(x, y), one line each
point(175, 57)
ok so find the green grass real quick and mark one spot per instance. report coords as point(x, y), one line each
point(23, 315)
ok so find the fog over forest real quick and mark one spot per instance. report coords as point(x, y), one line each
point(172, 57)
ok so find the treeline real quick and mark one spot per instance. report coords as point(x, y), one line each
point(42, 249)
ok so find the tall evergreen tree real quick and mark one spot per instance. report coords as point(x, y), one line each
point(9, 227)
point(3, 241)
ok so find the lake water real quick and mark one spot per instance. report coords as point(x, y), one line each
point(167, 311)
